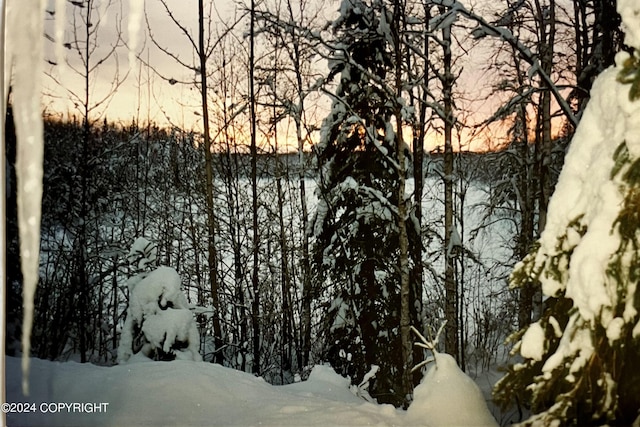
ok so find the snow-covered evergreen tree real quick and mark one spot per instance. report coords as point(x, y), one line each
point(577, 365)
point(356, 225)
point(159, 323)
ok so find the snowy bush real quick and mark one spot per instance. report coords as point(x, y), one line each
point(159, 324)
point(142, 254)
point(578, 362)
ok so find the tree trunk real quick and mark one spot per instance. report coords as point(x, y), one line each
point(547, 39)
point(307, 295)
point(255, 304)
point(285, 277)
point(451, 288)
point(403, 238)
point(526, 201)
point(546, 19)
point(208, 165)
point(419, 134)
point(307, 292)
point(81, 278)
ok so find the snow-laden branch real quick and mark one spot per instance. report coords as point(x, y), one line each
point(486, 29)
point(509, 107)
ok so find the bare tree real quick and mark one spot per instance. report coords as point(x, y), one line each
point(86, 57)
point(203, 46)
point(291, 29)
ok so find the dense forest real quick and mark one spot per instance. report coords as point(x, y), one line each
point(309, 214)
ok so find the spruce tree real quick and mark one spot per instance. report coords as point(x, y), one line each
point(577, 365)
point(356, 249)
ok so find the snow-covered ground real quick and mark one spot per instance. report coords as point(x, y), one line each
point(185, 393)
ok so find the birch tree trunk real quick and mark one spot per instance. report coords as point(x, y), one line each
point(403, 238)
point(451, 288)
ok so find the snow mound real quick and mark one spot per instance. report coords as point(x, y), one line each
point(448, 397)
point(186, 393)
point(326, 374)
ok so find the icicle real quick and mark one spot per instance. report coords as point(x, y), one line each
point(23, 66)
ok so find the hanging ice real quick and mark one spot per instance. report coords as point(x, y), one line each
point(23, 71)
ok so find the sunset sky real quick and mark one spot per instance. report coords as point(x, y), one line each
point(145, 96)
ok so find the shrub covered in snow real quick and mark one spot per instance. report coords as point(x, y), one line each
point(578, 363)
point(159, 324)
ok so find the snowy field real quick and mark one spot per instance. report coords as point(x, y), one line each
point(182, 393)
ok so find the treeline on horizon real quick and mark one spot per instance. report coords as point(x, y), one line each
point(271, 163)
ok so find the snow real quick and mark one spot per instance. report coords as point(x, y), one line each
point(635, 333)
point(166, 327)
point(629, 10)
point(557, 330)
point(532, 346)
point(143, 252)
point(161, 286)
point(614, 330)
point(448, 397)
point(454, 242)
point(585, 188)
point(579, 343)
point(182, 393)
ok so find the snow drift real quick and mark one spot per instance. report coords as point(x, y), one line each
point(185, 393)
